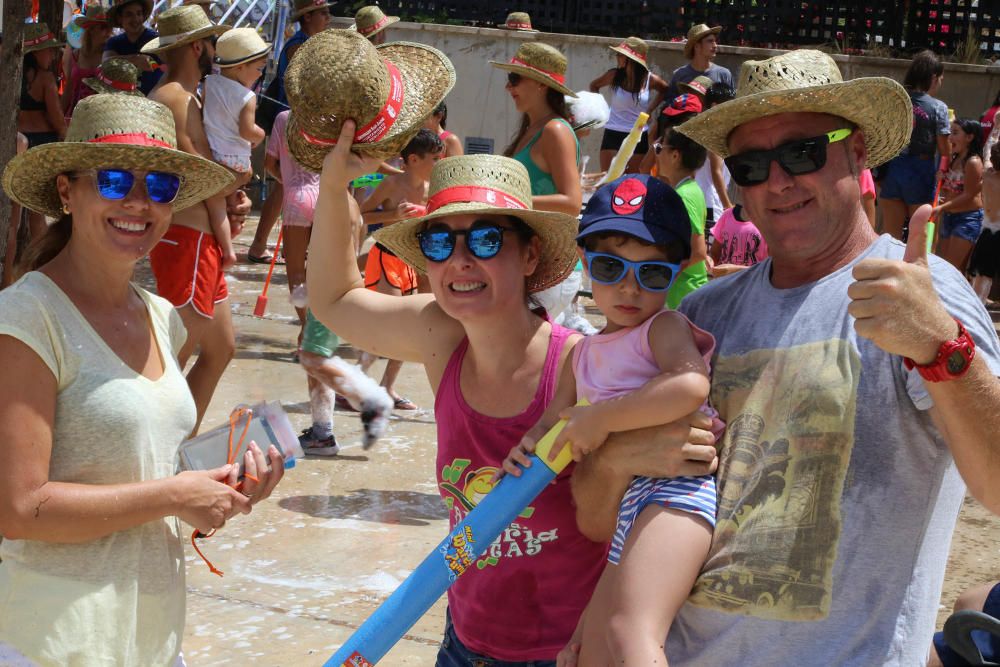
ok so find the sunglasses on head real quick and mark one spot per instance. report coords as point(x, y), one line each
point(611, 269)
point(797, 158)
point(116, 184)
point(484, 239)
point(513, 78)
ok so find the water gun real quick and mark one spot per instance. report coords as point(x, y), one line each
point(452, 557)
point(624, 154)
point(367, 181)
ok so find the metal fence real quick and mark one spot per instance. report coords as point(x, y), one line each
point(886, 26)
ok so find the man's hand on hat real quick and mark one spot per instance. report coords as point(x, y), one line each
point(894, 303)
point(342, 165)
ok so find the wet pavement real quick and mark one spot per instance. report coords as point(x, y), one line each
point(309, 565)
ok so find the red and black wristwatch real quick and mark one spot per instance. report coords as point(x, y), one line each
point(953, 359)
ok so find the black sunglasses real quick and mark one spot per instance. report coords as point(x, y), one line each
point(797, 158)
point(513, 78)
point(484, 239)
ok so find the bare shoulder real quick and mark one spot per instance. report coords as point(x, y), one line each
point(172, 95)
point(669, 327)
point(657, 82)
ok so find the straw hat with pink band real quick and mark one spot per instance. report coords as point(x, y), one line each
point(38, 37)
point(488, 185)
point(539, 62)
point(518, 21)
point(388, 91)
point(115, 75)
point(119, 131)
point(633, 48)
point(369, 21)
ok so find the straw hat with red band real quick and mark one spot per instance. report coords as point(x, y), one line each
point(539, 62)
point(518, 21)
point(488, 185)
point(369, 21)
point(303, 7)
point(115, 75)
point(119, 131)
point(182, 25)
point(633, 48)
point(92, 14)
point(695, 35)
point(388, 91)
point(700, 85)
point(38, 37)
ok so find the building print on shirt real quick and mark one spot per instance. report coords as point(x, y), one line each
point(785, 458)
point(462, 489)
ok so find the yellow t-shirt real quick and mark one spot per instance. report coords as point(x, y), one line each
point(118, 600)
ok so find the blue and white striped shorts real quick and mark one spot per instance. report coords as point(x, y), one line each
point(696, 495)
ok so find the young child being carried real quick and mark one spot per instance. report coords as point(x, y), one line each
point(648, 366)
point(230, 104)
point(397, 197)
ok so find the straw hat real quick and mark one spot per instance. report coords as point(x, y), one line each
point(115, 75)
point(119, 131)
point(388, 90)
point(809, 81)
point(370, 20)
point(633, 48)
point(517, 21)
point(238, 46)
point(303, 7)
point(698, 85)
point(488, 185)
point(38, 37)
point(695, 35)
point(539, 62)
point(147, 7)
point(92, 14)
point(182, 25)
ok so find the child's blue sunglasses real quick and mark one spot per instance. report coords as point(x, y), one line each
point(610, 269)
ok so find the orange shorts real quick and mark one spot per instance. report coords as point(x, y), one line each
point(188, 269)
point(399, 274)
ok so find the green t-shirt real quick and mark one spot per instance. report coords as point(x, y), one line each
point(696, 275)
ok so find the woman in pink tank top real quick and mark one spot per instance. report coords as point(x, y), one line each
point(82, 63)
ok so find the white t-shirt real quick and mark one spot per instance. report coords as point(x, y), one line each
point(224, 100)
point(704, 178)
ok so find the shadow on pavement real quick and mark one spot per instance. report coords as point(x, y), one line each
point(405, 508)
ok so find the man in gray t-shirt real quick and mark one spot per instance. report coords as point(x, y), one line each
point(700, 49)
point(858, 380)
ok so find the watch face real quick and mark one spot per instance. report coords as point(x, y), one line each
point(957, 362)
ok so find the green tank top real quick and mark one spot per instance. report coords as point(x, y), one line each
point(541, 182)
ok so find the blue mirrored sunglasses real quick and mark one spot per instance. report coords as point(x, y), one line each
point(116, 184)
point(611, 269)
point(484, 239)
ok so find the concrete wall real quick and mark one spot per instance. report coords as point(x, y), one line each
point(479, 106)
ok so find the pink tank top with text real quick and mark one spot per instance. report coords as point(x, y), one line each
point(522, 599)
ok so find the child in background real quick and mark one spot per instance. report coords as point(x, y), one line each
point(738, 243)
point(397, 197)
point(984, 266)
point(648, 366)
point(962, 206)
point(230, 104)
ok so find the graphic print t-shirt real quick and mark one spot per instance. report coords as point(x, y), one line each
point(837, 496)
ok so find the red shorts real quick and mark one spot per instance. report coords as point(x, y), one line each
point(399, 274)
point(188, 269)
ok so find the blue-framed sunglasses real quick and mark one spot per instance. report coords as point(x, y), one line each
point(610, 269)
point(116, 184)
point(484, 239)
point(797, 158)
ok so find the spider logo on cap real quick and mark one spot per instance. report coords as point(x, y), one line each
point(628, 197)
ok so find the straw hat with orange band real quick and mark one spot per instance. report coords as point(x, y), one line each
point(539, 62)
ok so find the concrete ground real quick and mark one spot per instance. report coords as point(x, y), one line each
point(308, 566)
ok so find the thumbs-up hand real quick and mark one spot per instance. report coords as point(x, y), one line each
point(894, 303)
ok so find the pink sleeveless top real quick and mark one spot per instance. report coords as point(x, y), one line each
point(522, 600)
point(79, 89)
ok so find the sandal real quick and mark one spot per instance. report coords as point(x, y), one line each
point(401, 403)
point(263, 259)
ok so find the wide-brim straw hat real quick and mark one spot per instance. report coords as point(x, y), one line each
point(809, 81)
point(303, 7)
point(119, 131)
point(695, 35)
point(38, 37)
point(371, 20)
point(115, 75)
point(539, 62)
point(182, 25)
point(633, 48)
point(488, 185)
point(238, 46)
point(147, 6)
point(387, 90)
point(92, 14)
point(517, 21)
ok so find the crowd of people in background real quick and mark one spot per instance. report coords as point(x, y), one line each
point(738, 237)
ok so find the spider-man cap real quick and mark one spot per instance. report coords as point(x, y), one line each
point(641, 206)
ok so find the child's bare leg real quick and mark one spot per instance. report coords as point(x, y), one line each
point(361, 391)
point(594, 649)
point(649, 594)
point(296, 242)
point(392, 366)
